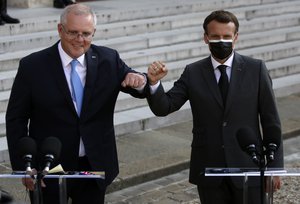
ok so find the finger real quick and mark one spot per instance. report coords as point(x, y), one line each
point(140, 82)
point(153, 68)
point(28, 183)
point(161, 64)
point(123, 83)
point(43, 184)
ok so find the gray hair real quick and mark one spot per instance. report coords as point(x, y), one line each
point(77, 9)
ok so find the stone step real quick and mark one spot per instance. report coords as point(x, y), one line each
point(278, 68)
point(268, 53)
point(10, 60)
point(247, 40)
point(4, 96)
point(6, 79)
point(195, 49)
point(284, 67)
point(47, 18)
point(138, 41)
point(268, 8)
point(163, 38)
point(43, 39)
point(183, 51)
point(287, 85)
point(274, 51)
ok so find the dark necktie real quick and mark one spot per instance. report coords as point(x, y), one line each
point(77, 88)
point(223, 82)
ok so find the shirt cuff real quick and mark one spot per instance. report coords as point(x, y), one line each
point(153, 88)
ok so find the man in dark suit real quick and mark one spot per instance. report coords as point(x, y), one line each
point(44, 103)
point(62, 3)
point(246, 99)
point(4, 17)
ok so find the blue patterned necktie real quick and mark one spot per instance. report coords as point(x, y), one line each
point(77, 87)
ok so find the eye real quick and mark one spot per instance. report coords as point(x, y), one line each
point(86, 34)
point(227, 37)
point(74, 33)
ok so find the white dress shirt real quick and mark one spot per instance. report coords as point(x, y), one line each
point(228, 63)
point(81, 70)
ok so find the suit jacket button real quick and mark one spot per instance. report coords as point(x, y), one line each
point(224, 124)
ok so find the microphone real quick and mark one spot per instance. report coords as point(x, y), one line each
point(50, 149)
point(246, 139)
point(27, 150)
point(271, 141)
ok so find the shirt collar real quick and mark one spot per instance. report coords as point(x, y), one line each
point(66, 59)
point(228, 62)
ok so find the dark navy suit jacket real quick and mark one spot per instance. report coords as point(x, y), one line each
point(41, 106)
point(250, 103)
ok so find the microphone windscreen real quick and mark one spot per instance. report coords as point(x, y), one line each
point(26, 146)
point(272, 134)
point(245, 137)
point(51, 145)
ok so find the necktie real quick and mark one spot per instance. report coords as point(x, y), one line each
point(223, 82)
point(77, 87)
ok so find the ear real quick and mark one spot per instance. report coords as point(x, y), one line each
point(205, 38)
point(235, 37)
point(59, 29)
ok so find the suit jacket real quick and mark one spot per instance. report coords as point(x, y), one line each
point(250, 103)
point(40, 106)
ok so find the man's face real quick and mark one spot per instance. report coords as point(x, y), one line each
point(76, 34)
point(218, 31)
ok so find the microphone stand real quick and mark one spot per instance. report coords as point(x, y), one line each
point(37, 192)
point(262, 168)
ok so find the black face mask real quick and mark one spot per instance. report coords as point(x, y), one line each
point(220, 49)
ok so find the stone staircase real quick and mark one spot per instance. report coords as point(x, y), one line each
point(170, 31)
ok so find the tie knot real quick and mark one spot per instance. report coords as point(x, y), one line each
point(222, 68)
point(74, 62)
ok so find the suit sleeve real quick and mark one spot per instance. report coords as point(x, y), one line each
point(163, 103)
point(269, 116)
point(123, 71)
point(17, 115)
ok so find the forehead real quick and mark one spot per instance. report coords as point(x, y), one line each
point(217, 28)
point(79, 21)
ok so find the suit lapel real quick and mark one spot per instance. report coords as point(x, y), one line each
point(237, 73)
point(92, 62)
point(210, 78)
point(55, 65)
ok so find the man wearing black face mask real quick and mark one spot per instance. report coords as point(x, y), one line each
point(226, 91)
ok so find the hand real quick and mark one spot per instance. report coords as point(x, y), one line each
point(29, 182)
point(134, 80)
point(156, 71)
point(276, 183)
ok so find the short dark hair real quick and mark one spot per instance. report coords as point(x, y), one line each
point(222, 17)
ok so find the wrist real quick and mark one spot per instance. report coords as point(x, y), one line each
point(153, 83)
